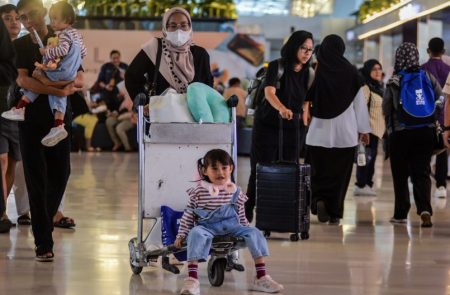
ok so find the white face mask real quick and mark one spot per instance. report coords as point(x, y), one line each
point(179, 37)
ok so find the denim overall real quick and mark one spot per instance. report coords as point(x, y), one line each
point(222, 221)
point(66, 71)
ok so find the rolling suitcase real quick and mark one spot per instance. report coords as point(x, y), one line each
point(283, 194)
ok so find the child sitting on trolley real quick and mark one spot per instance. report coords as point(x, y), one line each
point(216, 207)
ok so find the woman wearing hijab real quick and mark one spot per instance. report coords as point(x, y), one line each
point(372, 74)
point(182, 62)
point(410, 148)
point(339, 114)
point(283, 97)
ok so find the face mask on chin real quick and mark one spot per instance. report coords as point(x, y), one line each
point(179, 37)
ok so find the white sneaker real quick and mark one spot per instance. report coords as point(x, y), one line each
point(55, 135)
point(14, 114)
point(399, 221)
point(191, 286)
point(440, 192)
point(266, 284)
point(365, 191)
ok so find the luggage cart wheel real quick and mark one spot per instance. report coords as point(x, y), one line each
point(216, 271)
point(304, 235)
point(266, 233)
point(294, 237)
point(135, 269)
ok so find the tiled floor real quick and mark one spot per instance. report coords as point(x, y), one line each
point(364, 255)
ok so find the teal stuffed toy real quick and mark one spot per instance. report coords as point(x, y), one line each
point(206, 104)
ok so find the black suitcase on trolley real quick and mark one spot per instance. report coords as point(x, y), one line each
point(283, 195)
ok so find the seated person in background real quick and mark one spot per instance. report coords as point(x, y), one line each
point(61, 59)
point(111, 73)
point(234, 88)
point(118, 123)
point(220, 77)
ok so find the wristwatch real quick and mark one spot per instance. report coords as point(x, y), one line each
point(446, 128)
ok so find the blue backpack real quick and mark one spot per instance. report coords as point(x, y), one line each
point(417, 100)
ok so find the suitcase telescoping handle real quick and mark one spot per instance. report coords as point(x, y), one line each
point(296, 118)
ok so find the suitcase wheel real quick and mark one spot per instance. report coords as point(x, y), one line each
point(294, 237)
point(266, 233)
point(304, 235)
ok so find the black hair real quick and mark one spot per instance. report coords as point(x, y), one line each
point(436, 46)
point(7, 8)
point(23, 3)
point(65, 10)
point(114, 51)
point(290, 49)
point(211, 158)
point(233, 81)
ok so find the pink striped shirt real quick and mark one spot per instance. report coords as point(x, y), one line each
point(201, 198)
point(67, 38)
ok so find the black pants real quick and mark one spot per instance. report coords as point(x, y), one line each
point(364, 174)
point(441, 170)
point(46, 173)
point(265, 150)
point(331, 170)
point(410, 155)
point(2, 201)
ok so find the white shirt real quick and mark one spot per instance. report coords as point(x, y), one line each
point(341, 131)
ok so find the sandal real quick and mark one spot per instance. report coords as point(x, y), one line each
point(64, 222)
point(24, 220)
point(45, 257)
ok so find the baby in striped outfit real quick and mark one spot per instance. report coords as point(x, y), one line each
point(216, 207)
point(65, 57)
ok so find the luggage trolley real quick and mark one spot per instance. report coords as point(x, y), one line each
point(168, 153)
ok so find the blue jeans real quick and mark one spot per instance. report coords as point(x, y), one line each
point(200, 239)
point(67, 71)
point(222, 221)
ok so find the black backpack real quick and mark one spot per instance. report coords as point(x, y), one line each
point(256, 87)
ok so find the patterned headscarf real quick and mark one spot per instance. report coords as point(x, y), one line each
point(406, 58)
point(177, 63)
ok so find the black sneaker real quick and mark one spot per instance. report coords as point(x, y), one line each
point(5, 225)
point(334, 221)
point(322, 213)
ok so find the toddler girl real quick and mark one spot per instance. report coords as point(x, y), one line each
point(216, 207)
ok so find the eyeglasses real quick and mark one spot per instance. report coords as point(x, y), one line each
point(306, 49)
point(26, 17)
point(172, 27)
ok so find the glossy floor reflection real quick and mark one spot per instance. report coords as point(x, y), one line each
point(364, 255)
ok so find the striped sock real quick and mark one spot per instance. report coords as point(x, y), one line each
point(260, 270)
point(58, 122)
point(22, 103)
point(192, 271)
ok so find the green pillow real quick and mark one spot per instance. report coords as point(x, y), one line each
point(206, 104)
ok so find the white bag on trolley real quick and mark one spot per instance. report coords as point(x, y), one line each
point(170, 107)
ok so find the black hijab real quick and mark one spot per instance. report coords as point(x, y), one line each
point(374, 85)
point(336, 81)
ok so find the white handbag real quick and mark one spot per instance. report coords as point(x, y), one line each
point(170, 107)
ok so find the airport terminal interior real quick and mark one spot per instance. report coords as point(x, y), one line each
point(364, 254)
